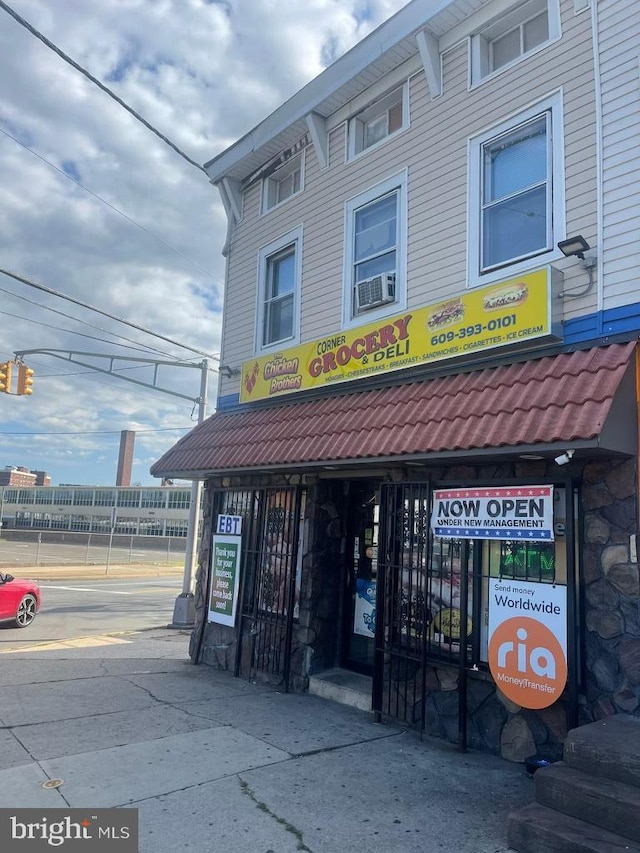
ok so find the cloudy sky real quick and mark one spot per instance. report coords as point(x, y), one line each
point(95, 206)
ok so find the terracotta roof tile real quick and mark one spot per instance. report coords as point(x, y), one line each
point(566, 397)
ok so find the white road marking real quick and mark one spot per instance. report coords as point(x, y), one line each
point(89, 589)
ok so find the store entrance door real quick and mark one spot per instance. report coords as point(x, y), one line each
point(361, 565)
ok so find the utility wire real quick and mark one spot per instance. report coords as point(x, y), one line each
point(138, 346)
point(101, 431)
point(49, 290)
point(97, 82)
point(70, 331)
point(109, 205)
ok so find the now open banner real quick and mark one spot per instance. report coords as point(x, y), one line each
point(504, 512)
point(528, 640)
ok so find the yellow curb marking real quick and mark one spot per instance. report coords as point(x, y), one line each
point(78, 643)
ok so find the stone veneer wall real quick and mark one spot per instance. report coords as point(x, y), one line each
point(610, 604)
point(610, 642)
point(611, 590)
point(315, 639)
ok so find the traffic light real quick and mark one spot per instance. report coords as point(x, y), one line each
point(5, 377)
point(25, 380)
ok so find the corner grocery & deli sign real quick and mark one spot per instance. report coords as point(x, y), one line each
point(514, 311)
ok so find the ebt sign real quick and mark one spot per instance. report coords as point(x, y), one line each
point(528, 641)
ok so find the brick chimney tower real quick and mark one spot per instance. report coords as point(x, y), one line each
point(125, 457)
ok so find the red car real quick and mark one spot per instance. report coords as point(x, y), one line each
point(19, 600)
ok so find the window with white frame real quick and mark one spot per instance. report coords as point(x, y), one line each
point(516, 191)
point(375, 250)
point(279, 276)
point(379, 121)
point(285, 182)
point(518, 32)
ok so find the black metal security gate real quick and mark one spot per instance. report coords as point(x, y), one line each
point(432, 602)
point(269, 579)
point(401, 601)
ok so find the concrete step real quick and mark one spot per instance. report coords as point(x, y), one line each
point(609, 747)
point(538, 829)
point(604, 802)
point(343, 686)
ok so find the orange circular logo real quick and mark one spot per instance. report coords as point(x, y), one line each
point(527, 662)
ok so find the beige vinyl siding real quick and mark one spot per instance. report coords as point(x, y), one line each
point(434, 150)
point(619, 52)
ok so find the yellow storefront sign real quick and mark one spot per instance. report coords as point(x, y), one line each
point(511, 312)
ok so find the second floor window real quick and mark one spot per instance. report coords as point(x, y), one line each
point(279, 271)
point(375, 249)
point(516, 194)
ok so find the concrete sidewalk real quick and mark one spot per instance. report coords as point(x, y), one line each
point(224, 765)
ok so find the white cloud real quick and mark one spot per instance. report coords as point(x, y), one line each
point(204, 73)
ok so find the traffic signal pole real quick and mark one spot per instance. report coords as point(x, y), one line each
point(184, 610)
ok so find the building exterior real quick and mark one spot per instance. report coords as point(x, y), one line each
point(155, 511)
point(423, 466)
point(125, 457)
point(13, 476)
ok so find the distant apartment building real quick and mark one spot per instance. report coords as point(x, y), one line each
point(18, 476)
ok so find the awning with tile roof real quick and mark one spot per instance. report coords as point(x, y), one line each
point(583, 399)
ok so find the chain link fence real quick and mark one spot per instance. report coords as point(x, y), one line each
point(65, 548)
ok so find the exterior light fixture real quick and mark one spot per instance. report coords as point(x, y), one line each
point(574, 246)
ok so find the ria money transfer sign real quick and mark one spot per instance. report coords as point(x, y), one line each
point(528, 640)
point(505, 512)
point(512, 312)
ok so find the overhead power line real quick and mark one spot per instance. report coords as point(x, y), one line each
point(108, 204)
point(131, 343)
point(24, 23)
point(82, 304)
point(100, 431)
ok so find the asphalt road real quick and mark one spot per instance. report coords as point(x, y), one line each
point(82, 608)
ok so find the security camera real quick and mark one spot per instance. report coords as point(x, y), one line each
point(564, 458)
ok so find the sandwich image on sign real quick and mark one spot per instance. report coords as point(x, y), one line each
point(446, 314)
point(505, 297)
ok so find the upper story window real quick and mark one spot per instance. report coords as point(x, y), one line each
point(518, 32)
point(379, 121)
point(279, 271)
point(129, 497)
point(375, 251)
point(180, 499)
point(153, 498)
point(285, 182)
point(516, 191)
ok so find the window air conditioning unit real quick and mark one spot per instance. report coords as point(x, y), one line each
point(375, 291)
